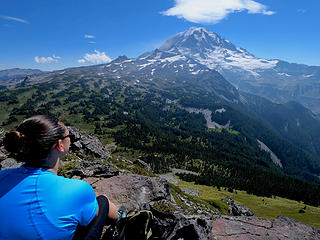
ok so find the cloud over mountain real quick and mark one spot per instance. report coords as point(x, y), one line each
point(96, 58)
point(213, 11)
point(42, 60)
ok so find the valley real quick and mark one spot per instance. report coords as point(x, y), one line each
point(174, 107)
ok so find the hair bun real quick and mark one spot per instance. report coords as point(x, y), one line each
point(14, 141)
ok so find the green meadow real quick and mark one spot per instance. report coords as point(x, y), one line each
point(263, 207)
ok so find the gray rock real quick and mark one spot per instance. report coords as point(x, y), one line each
point(132, 191)
point(97, 168)
point(191, 227)
point(77, 145)
point(190, 191)
point(176, 171)
point(10, 163)
point(253, 228)
point(178, 226)
point(75, 133)
point(123, 159)
point(170, 178)
point(143, 164)
point(87, 143)
point(236, 209)
point(3, 156)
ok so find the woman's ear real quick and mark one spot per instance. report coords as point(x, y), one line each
point(59, 146)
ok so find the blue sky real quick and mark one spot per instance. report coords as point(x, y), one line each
point(56, 34)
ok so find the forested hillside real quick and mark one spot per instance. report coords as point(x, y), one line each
point(152, 124)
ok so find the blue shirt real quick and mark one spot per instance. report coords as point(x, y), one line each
point(35, 203)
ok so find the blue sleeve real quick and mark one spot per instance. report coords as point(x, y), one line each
point(87, 203)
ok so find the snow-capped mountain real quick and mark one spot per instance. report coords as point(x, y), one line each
point(166, 70)
point(277, 80)
point(214, 51)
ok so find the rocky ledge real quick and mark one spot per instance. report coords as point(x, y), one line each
point(253, 228)
point(141, 192)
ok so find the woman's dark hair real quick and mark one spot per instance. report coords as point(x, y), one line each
point(34, 138)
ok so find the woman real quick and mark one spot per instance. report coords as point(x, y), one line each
point(35, 203)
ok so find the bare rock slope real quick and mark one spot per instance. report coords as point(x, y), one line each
point(253, 228)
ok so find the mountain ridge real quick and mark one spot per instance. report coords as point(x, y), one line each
point(17, 73)
point(276, 80)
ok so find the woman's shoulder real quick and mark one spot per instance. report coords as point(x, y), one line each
point(73, 185)
point(71, 180)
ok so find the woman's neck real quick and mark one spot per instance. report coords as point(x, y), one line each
point(55, 168)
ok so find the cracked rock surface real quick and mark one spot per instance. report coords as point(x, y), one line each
point(87, 143)
point(132, 191)
point(253, 228)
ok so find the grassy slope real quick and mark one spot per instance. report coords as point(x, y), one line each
point(269, 208)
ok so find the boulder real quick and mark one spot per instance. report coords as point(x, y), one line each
point(136, 192)
point(190, 227)
point(132, 191)
point(143, 164)
point(171, 226)
point(236, 209)
point(86, 168)
point(3, 156)
point(87, 143)
point(253, 228)
point(10, 163)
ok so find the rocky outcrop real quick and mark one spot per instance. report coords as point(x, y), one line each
point(141, 192)
point(89, 155)
point(143, 164)
point(5, 161)
point(190, 227)
point(9, 163)
point(236, 209)
point(3, 156)
point(253, 228)
point(87, 168)
point(87, 143)
point(132, 191)
point(178, 226)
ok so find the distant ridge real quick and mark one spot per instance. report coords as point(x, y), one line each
point(17, 73)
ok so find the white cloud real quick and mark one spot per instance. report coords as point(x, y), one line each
point(15, 19)
point(56, 57)
point(89, 36)
point(213, 11)
point(96, 58)
point(42, 60)
point(302, 11)
point(92, 42)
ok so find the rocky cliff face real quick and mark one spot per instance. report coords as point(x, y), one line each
point(91, 161)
